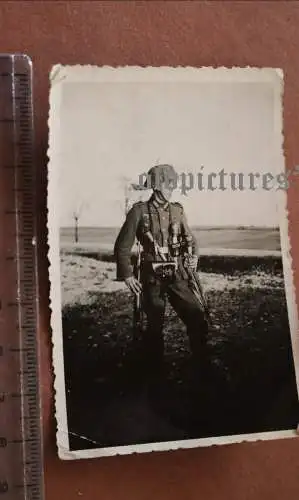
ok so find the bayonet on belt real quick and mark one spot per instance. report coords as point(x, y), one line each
point(194, 280)
point(138, 311)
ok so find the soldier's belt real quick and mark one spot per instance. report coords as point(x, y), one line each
point(163, 250)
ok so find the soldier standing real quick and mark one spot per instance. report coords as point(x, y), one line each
point(158, 225)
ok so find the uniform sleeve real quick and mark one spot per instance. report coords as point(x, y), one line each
point(124, 243)
point(185, 226)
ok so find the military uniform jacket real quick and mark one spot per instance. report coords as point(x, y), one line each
point(158, 217)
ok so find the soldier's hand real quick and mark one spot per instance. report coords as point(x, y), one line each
point(192, 262)
point(133, 284)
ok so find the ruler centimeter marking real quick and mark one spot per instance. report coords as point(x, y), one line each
point(21, 464)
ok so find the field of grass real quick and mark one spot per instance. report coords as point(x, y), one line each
point(250, 386)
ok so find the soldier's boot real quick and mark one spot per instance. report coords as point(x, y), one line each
point(201, 363)
point(152, 362)
point(153, 342)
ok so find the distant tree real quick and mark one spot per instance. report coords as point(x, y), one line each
point(77, 212)
point(127, 195)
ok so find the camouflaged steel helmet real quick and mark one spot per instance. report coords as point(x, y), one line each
point(159, 174)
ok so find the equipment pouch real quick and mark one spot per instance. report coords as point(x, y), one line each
point(164, 270)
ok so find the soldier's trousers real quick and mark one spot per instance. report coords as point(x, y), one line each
point(187, 308)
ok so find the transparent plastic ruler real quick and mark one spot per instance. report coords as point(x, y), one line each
point(21, 465)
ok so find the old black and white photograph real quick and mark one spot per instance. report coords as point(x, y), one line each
point(173, 313)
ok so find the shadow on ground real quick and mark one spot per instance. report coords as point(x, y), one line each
point(249, 387)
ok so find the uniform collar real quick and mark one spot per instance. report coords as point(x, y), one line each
point(158, 204)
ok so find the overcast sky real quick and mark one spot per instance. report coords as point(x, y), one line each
point(114, 130)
